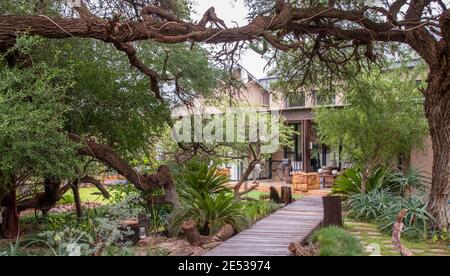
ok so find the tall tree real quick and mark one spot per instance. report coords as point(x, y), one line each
point(423, 25)
point(376, 128)
point(107, 111)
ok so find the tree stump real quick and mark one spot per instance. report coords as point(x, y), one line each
point(194, 237)
point(225, 233)
point(190, 230)
point(286, 195)
point(274, 196)
point(332, 211)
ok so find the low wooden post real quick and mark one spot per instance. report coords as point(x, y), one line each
point(191, 232)
point(286, 195)
point(274, 196)
point(332, 211)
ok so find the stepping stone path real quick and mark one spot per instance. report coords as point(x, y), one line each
point(376, 243)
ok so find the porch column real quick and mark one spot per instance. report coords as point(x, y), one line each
point(306, 139)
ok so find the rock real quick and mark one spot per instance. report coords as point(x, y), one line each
point(374, 233)
point(373, 249)
point(417, 251)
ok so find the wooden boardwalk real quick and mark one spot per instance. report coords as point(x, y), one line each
point(272, 235)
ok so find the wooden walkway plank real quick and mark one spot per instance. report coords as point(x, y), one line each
point(271, 236)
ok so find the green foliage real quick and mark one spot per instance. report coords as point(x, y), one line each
point(65, 234)
point(350, 182)
point(32, 111)
point(369, 206)
point(393, 180)
point(206, 200)
point(257, 210)
point(209, 211)
point(416, 221)
point(67, 199)
point(334, 241)
point(412, 180)
point(382, 206)
point(384, 119)
point(198, 176)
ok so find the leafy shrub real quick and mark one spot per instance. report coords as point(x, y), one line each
point(383, 206)
point(120, 192)
point(64, 234)
point(205, 199)
point(158, 215)
point(367, 207)
point(416, 221)
point(209, 211)
point(349, 183)
point(334, 241)
point(256, 210)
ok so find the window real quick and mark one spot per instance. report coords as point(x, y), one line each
point(296, 100)
point(324, 97)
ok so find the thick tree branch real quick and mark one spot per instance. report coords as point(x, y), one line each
point(131, 52)
point(146, 183)
point(98, 184)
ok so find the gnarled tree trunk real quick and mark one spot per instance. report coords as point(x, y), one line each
point(437, 108)
point(144, 182)
point(10, 218)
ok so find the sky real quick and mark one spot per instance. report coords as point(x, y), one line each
point(233, 10)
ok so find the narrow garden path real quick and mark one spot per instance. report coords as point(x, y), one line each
point(271, 236)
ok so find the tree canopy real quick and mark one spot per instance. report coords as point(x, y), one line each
point(382, 121)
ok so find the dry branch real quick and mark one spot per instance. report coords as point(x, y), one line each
point(397, 232)
point(299, 250)
point(196, 239)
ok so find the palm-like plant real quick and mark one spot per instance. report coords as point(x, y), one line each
point(209, 211)
point(201, 178)
point(350, 182)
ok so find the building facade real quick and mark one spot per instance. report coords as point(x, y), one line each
point(308, 153)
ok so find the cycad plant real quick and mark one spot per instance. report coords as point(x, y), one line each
point(202, 178)
point(206, 200)
point(209, 211)
point(351, 181)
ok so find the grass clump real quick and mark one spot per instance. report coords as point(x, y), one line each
point(334, 241)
